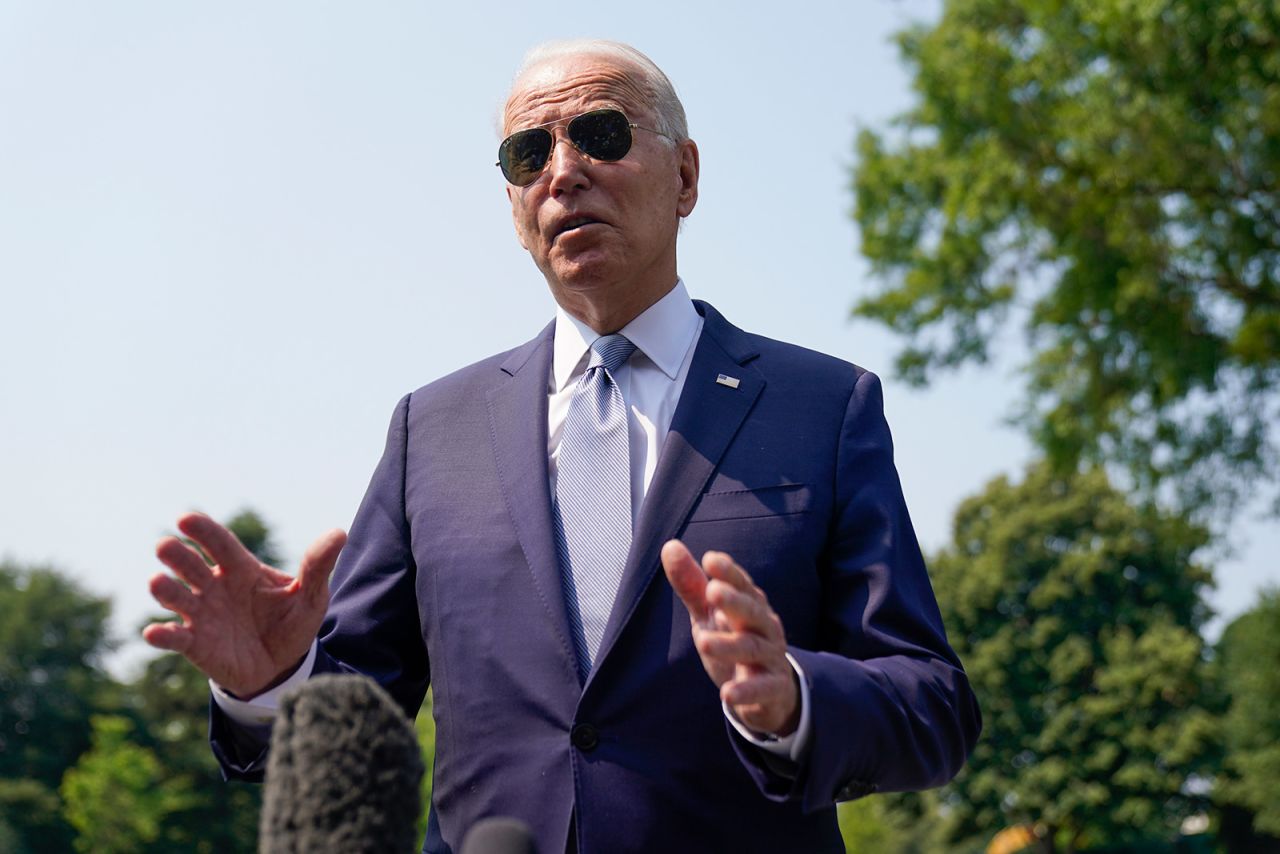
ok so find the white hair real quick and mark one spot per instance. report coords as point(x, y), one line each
point(668, 111)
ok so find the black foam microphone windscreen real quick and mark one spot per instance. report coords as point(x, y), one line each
point(344, 773)
point(498, 835)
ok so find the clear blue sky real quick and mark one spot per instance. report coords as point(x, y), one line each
point(232, 235)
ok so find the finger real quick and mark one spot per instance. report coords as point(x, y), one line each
point(745, 611)
point(687, 579)
point(725, 568)
point(766, 719)
point(185, 562)
point(220, 544)
point(765, 689)
point(317, 564)
point(174, 637)
point(274, 577)
point(721, 621)
point(170, 593)
point(738, 648)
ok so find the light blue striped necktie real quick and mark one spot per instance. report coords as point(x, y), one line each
point(593, 496)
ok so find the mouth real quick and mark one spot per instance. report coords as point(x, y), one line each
point(572, 224)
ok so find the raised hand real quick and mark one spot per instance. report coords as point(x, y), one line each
point(244, 624)
point(738, 637)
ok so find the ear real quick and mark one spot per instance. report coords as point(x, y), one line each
point(688, 176)
point(515, 218)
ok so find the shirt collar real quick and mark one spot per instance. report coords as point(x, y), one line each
point(663, 332)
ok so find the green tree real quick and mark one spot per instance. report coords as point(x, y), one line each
point(1249, 654)
point(1107, 170)
point(117, 796)
point(863, 826)
point(52, 639)
point(892, 824)
point(1076, 614)
point(171, 702)
point(53, 636)
point(31, 819)
point(425, 725)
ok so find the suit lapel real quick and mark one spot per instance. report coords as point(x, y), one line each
point(514, 407)
point(705, 421)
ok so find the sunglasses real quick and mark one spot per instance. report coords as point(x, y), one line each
point(599, 134)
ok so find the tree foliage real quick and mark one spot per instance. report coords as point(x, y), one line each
point(1249, 653)
point(1076, 614)
point(893, 824)
point(52, 638)
point(424, 725)
point(1107, 170)
point(31, 819)
point(117, 796)
point(170, 699)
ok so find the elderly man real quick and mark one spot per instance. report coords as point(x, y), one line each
point(790, 655)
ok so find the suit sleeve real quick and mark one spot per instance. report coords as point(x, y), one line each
point(892, 709)
point(371, 626)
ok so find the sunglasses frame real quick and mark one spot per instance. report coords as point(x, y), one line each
point(546, 127)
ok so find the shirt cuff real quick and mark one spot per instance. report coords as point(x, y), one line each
point(790, 746)
point(261, 710)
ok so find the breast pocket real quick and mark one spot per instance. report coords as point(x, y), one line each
point(776, 534)
point(785, 499)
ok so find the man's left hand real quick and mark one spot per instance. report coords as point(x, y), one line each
point(739, 638)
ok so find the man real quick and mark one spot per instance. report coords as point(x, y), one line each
point(507, 550)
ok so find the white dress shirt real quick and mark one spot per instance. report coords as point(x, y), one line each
point(650, 381)
point(665, 335)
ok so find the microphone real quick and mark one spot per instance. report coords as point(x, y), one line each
point(498, 835)
point(344, 773)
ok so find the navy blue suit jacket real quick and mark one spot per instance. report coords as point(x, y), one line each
point(450, 579)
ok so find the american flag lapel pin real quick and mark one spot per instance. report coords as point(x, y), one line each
point(726, 380)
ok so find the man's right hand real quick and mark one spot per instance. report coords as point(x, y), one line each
point(244, 624)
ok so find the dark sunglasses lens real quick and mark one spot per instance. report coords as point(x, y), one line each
point(601, 134)
point(523, 155)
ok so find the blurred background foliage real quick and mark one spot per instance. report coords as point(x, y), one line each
point(1102, 174)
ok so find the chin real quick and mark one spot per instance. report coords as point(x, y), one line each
point(589, 276)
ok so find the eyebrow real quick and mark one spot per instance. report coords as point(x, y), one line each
point(609, 105)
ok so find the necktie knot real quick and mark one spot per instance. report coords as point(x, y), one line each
point(611, 351)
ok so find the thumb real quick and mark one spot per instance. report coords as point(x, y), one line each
point(318, 563)
point(687, 578)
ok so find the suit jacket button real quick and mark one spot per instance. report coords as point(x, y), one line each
point(585, 737)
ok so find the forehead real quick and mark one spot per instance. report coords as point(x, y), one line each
point(568, 85)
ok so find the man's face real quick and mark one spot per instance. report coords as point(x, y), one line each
point(603, 233)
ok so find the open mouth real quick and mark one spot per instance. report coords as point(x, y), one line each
point(572, 225)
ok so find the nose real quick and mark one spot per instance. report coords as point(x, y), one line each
point(568, 167)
